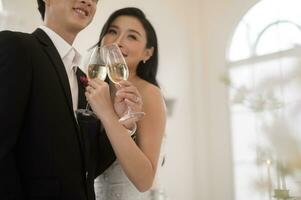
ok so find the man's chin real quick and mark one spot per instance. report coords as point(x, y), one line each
point(79, 27)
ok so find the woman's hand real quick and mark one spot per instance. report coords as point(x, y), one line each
point(98, 96)
point(127, 96)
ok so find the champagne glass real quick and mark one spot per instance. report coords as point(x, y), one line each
point(96, 69)
point(118, 71)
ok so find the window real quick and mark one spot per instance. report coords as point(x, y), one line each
point(2, 15)
point(264, 61)
point(1, 6)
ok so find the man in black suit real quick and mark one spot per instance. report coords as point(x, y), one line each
point(44, 152)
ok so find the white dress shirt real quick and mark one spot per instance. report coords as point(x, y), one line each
point(71, 59)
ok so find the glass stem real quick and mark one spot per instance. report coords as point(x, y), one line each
point(87, 107)
point(129, 110)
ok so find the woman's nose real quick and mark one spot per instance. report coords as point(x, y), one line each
point(119, 41)
point(88, 2)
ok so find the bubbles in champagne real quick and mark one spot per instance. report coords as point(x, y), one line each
point(97, 71)
point(118, 72)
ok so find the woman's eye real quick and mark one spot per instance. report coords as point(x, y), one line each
point(112, 31)
point(133, 37)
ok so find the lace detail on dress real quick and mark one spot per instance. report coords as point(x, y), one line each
point(113, 184)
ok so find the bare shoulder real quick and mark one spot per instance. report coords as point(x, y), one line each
point(150, 93)
point(153, 123)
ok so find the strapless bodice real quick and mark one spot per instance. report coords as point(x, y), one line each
point(113, 184)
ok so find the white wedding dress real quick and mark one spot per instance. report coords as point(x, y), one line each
point(113, 184)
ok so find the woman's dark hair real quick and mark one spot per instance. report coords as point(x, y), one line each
point(147, 70)
point(41, 7)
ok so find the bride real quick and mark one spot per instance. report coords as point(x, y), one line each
point(132, 175)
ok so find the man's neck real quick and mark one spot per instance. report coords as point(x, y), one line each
point(69, 37)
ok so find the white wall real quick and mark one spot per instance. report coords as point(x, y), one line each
point(214, 23)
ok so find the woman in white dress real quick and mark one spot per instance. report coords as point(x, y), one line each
point(132, 174)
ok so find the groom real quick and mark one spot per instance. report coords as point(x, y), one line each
point(44, 153)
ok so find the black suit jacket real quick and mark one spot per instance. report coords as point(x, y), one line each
point(44, 153)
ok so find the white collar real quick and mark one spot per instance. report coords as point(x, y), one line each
point(61, 45)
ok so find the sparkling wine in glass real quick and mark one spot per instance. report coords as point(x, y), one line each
point(118, 71)
point(96, 69)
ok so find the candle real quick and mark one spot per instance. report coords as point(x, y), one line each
point(282, 176)
point(278, 176)
point(268, 162)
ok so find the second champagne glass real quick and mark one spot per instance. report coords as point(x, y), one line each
point(96, 69)
point(118, 71)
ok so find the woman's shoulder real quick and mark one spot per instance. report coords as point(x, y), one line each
point(149, 91)
point(152, 97)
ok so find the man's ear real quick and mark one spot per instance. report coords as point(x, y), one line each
point(148, 53)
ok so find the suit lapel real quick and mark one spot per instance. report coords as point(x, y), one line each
point(57, 64)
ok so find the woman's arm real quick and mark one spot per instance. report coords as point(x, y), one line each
point(139, 161)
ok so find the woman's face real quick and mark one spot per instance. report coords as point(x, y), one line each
point(129, 34)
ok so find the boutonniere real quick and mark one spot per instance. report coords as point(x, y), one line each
point(83, 80)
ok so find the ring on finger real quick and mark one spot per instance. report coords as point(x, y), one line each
point(137, 99)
